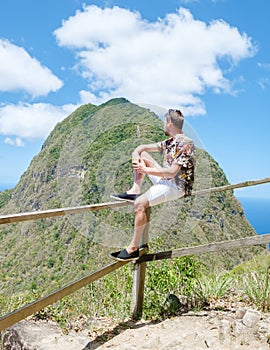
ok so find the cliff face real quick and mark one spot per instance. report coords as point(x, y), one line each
point(83, 161)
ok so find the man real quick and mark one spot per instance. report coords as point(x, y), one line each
point(172, 181)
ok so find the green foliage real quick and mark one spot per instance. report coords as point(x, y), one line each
point(213, 286)
point(5, 197)
point(177, 276)
point(253, 278)
point(256, 286)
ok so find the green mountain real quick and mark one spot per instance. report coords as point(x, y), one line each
point(83, 161)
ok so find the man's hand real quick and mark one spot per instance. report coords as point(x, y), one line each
point(139, 165)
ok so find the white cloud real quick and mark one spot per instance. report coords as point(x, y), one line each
point(170, 62)
point(20, 71)
point(30, 121)
point(88, 97)
point(264, 65)
point(264, 83)
point(14, 142)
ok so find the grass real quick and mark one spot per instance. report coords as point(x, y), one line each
point(255, 285)
point(213, 286)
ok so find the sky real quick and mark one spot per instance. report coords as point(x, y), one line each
point(210, 58)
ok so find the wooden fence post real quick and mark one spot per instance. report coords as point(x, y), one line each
point(139, 276)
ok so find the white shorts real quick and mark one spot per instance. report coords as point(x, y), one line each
point(163, 190)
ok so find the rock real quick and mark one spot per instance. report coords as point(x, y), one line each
point(42, 335)
point(225, 332)
point(242, 334)
point(172, 303)
point(251, 318)
point(239, 313)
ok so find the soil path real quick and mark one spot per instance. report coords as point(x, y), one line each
point(244, 329)
point(214, 330)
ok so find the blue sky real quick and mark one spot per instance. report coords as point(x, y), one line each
point(211, 58)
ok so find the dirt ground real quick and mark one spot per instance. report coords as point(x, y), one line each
point(191, 331)
point(218, 330)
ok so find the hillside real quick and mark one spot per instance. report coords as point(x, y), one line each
point(83, 161)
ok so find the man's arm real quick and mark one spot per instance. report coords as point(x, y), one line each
point(169, 172)
point(136, 154)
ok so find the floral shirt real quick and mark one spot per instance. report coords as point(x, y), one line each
point(181, 151)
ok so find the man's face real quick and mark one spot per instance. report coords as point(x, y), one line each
point(167, 123)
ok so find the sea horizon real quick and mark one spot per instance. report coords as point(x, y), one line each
point(6, 186)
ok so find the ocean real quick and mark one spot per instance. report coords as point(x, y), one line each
point(6, 186)
point(257, 211)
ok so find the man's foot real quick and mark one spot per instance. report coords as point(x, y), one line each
point(123, 255)
point(125, 196)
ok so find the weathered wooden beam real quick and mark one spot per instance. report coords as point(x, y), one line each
point(139, 275)
point(231, 187)
point(42, 214)
point(29, 309)
point(207, 248)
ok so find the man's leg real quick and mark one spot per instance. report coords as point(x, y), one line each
point(160, 193)
point(137, 183)
point(132, 251)
point(156, 194)
point(140, 206)
point(138, 178)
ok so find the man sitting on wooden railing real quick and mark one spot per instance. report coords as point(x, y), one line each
point(172, 181)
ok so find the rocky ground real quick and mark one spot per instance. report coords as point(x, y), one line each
point(242, 328)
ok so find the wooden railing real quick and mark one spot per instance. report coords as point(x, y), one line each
point(42, 214)
point(140, 265)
